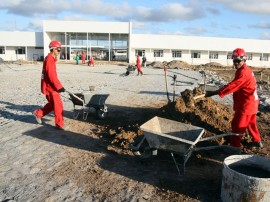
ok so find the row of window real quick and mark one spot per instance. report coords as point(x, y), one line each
point(19, 50)
point(212, 55)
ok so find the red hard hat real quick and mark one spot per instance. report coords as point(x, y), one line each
point(239, 53)
point(55, 44)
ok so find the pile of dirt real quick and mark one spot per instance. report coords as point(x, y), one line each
point(213, 65)
point(158, 64)
point(178, 64)
point(174, 64)
point(213, 116)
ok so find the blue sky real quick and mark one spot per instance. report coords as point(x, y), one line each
point(214, 18)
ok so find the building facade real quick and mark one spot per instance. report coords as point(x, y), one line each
point(115, 41)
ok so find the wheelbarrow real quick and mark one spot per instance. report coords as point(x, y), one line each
point(131, 70)
point(83, 102)
point(176, 138)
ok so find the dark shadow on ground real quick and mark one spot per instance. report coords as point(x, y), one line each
point(67, 138)
point(18, 112)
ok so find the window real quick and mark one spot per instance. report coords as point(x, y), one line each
point(264, 57)
point(176, 54)
point(2, 50)
point(229, 56)
point(139, 52)
point(213, 55)
point(249, 56)
point(158, 53)
point(20, 51)
point(195, 55)
point(38, 47)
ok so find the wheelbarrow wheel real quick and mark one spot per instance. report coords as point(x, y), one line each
point(101, 114)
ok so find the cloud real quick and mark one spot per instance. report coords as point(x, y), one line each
point(261, 7)
point(196, 30)
point(262, 25)
point(265, 35)
point(123, 11)
point(166, 13)
point(36, 25)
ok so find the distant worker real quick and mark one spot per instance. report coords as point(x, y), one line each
point(139, 67)
point(91, 61)
point(83, 58)
point(245, 100)
point(77, 58)
point(144, 61)
point(51, 87)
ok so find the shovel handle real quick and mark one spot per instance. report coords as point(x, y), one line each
point(199, 96)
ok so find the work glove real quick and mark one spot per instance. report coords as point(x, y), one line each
point(61, 90)
point(210, 93)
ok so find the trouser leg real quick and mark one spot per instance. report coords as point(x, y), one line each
point(58, 109)
point(239, 125)
point(46, 109)
point(253, 129)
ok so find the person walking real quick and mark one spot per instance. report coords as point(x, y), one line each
point(139, 67)
point(91, 61)
point(77, 58)
point(144, 61)
point(245, 100)
point(83, 58)
point(51, 87)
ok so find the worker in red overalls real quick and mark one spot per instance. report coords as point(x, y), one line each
point(139, 67)
point(83, 58)
point(51, 87)
point(245, 100)
point(91, 61)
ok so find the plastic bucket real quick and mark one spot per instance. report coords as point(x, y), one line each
point(246, 178)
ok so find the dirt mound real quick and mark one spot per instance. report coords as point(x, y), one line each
point(158, 64)
point(174, 64)
point(214, 117)
point(179, 64)
point(213, 64)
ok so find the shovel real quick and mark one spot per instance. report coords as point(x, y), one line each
point(174, 84)
point(165, 70)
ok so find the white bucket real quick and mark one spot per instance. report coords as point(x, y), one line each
point(92, 88)
point(246, 178)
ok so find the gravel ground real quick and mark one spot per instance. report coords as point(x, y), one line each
point(29, 164)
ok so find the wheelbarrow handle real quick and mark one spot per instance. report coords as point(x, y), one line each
point(219, 136)
point(75, 96)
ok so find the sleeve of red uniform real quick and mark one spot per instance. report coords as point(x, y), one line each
point(233, 86)
point(51, 70)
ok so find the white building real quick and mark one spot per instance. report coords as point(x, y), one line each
point(115, 41)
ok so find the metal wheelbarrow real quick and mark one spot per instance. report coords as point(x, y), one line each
point(82, 102)
point(131, 69)
point(176, 138)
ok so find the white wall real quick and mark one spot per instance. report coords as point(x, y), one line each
point(204, 45)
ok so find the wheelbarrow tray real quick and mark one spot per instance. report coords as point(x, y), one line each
point(172, 136)
point(88, 100)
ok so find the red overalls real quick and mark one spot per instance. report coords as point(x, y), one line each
point(139, 67)
point(245, 104)
point(49, 86)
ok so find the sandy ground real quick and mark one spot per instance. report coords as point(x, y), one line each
point(87, 161)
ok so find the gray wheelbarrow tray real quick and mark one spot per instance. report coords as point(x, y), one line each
point(82, 102)
point(175, 137)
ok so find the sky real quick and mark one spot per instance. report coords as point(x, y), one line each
point(209, 18)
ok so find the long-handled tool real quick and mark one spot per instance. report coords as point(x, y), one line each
point(81, 100)
point(174, 84)
point(165, 70)
point(198, 96)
